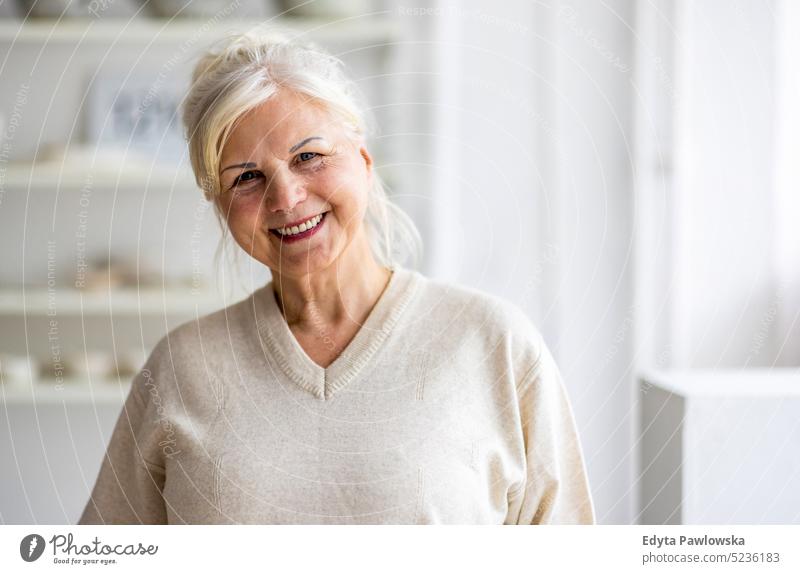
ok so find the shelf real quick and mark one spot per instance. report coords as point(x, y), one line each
point(123, 301)
point(761, 383)
point(49, 176)
point(72, 392)
point(374, 28)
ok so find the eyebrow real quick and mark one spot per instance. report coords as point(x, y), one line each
point(247, 164)
point(297, 146)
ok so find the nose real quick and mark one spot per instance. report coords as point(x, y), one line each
point(284, 192)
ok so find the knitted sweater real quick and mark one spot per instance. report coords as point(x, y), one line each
point(446, 407)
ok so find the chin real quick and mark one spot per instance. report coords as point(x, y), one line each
point(300, 265)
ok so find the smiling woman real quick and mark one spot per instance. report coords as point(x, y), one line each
point(310, 107)
point(349, 389)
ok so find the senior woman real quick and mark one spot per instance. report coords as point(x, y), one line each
point(349, 389)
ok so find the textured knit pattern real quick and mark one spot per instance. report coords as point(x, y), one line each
point(447, 407)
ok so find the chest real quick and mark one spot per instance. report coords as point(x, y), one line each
point(384, 451)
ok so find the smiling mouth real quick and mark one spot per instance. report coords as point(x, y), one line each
point(305, 228)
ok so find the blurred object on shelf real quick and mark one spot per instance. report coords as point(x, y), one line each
point(90, 365)
point(214, 8)
point(191, 283)
point(327, 8)
point(8, 10)
point(56, 8)
point(17, 370)
point(113, 9)
point(96, 366)
point(94, 9)
point(102, 274)
point(54, 368)
point(105, 274)
point(56, 168)
point(189, 8)
point(137, 113)
point(118, 273)
point(128, 363)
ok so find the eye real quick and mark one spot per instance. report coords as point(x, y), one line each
point(306, 156)
point(244, 177)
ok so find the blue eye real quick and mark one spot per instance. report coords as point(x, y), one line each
point(243, 179)
point(307, 155)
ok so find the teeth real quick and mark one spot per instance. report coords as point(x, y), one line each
point(305, 226)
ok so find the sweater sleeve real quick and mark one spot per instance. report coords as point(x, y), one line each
point(556, 488)
point(128, 489)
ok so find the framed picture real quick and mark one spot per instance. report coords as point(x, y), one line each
point(137, 114)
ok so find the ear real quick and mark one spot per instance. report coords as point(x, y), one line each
point(367, 158)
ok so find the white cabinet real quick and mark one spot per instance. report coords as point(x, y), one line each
point(720, 447)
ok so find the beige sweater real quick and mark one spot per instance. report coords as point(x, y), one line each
point(446, 407)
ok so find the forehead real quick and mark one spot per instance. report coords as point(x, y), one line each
point(279, 123)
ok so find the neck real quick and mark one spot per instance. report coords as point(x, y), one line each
point(343, 292)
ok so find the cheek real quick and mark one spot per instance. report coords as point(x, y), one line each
point(245, 215)
point(348, 197)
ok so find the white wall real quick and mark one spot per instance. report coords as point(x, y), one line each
point(786, 333)
point(718, 242)
point(725, 152)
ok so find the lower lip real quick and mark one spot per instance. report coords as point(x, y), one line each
point(300, 236)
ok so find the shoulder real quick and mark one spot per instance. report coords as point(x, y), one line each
point(475, 306)
point(196, 342)
point(467, 308)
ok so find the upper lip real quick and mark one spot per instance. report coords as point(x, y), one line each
point(298, 222)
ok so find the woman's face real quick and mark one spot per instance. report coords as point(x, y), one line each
point(293, 185)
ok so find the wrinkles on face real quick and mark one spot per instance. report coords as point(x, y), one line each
point(288, 160)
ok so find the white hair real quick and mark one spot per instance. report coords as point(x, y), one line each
point(242, 71)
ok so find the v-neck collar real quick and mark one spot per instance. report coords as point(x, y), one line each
point(300, 368)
